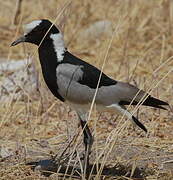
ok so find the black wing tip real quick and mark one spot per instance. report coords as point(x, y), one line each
point(154, 102)
point(150, 101)
point(138, 123)
point(157, 101)
point(161, 107)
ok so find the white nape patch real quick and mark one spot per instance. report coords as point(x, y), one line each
point(59, 46)
point(29, 27)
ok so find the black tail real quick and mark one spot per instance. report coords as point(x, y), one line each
point(150, 101)
point(138, 123)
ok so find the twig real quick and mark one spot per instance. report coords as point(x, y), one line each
point(17, 12)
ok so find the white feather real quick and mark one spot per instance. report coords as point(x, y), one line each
point(29, 27)
point(59, 46)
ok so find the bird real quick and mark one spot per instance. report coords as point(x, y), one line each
point(74, 81)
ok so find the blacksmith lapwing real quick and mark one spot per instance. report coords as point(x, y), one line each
point(74, 81)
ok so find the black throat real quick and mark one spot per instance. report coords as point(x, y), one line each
point(49, 63)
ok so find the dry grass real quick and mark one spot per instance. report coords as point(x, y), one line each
point(140, 54)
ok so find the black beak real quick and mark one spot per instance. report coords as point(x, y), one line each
point(19, 40)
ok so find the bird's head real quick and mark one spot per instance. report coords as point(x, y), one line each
point(35, 31)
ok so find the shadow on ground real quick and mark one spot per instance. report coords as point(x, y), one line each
point(48, 167)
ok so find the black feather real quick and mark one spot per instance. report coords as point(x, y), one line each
point(48, 61)
point(150, 101)
point(90, 73)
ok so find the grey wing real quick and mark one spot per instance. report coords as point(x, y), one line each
point(68, 80)
point(120, 92)
point(68, 76)
point(130, 94)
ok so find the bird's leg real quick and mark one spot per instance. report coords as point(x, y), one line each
point(88, 141)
